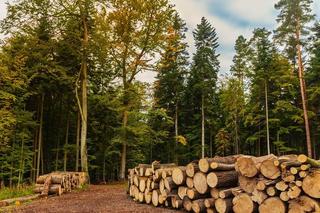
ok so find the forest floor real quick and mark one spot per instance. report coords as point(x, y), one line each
point(97, 198)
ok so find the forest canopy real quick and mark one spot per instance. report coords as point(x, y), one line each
point(70, 99)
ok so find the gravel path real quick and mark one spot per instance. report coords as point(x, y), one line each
point(97, 198)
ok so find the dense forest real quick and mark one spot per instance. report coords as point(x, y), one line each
point(70, 99)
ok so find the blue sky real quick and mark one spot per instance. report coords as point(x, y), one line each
point(231, 18)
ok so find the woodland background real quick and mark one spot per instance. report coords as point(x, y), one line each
point(69, 98)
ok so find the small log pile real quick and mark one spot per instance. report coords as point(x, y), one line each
point(239, 183)
point(58, 183)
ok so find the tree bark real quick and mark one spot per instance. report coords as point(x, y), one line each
point(303, 87)
point(65, 157)
point(40, 136)
point(78, 140)
point(267, 115)
point(202, 126)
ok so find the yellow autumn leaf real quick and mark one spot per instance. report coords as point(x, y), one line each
point(181, 139)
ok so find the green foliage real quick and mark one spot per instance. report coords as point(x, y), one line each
point(223, 143)
point(7, 193)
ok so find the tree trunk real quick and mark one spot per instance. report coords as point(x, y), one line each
point(202, 126)
point(267, 115)
point(176, 133)
point(65, 157)
point(84, 101)
point(21, 171)
point(78, 141)
point(124, 146)
point(303, 88)
point(40, 136)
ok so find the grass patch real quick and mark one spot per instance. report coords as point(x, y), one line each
point(7, 193)
point(83, 187)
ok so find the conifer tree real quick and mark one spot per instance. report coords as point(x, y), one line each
point(293, 19)
point(203, 75)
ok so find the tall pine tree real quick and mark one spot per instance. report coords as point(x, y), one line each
point(203, 77)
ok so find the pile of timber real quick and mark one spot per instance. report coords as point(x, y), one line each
point(59, 182)
point(239, 183)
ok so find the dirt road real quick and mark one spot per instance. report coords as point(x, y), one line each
point(102, 198)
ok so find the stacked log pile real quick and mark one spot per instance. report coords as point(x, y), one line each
point(59, 182)
point(237, 183)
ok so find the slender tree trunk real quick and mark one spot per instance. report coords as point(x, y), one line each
point(211, 148)
point(21, 171)
point(58, 135)
point(303, 89)
point(267, 115)
point(124, 146)
point(40, 136)
point(176, 131)
point(84, 104)
point(78, 140)
point(104, 167)
point(202, 126)
point(65, 157)
point(236, 133)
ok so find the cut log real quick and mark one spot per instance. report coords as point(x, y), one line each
point(136, 180)
point(200, 182)
point(305, 167)
point(179, 175)
point(191, 169)
point(154, 185)
point(161, 185)
point(222, 179)
point(182, 191)
point(198, 206)
point(295, 170)
point(269, 170)
point(155, 197)
point(226, 193)
point(187, 204)
point(262, 184)
point(169, 184)
point(259, 196)
point(271, 191)
point(284, 158)
point(221, 166)
point(294, 192)
point(209, 202)
point(282, 186)
point(162, 199)
point(303, 204)
point(142, 183)
point(249, 166)
point(303, 174)
point(173, 201)
point(272, 205)
point(53, 189)
point(214, 192)
point(311, 184)
point(288, 178)
point(223, 205)
point(193, 194)
point(178, 203)
point(46, 186)
point(306, 159)
point(284, 196)
point(247, 184)
point(189, 182)
point(289, 164)
point(243, 203)
point(141, 197)
point(148, 197)
point(204, 163)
